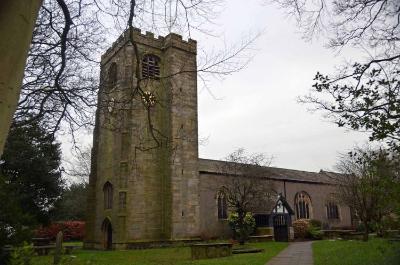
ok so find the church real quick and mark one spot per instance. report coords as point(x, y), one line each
point(147, 183)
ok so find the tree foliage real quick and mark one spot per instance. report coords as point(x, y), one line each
point(30, 182)
point(72, 204)
point(369, 184)
point(31, 169)
point(363, 94)
point(242, 229)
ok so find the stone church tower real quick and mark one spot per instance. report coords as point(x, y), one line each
point(140, 189)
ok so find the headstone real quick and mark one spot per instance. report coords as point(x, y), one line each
point(58, 250)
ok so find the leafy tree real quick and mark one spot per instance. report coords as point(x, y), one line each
point(14, 223)
point(364, 94)
point(369, 184)
point(30, 166)
point(242, 229)
point(72, 203)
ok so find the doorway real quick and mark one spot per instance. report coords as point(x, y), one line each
point(107, 234)
point(281, 227)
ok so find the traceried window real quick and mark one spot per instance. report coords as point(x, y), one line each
point(112, 75)
point(303, 206)
point(222, 206)
point(122, 201)
point(108, 195)
point(332, 210)
point(151, 66)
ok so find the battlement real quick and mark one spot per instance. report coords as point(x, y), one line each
point(149, 39)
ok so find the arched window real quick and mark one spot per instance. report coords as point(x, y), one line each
point(332, 210)
point(108, 195)
point(112, 75)
point(150, 66)
point(222, 206)
point(303, 207)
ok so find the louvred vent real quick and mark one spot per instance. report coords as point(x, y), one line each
point(150, 67)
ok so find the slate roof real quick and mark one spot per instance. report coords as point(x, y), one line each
point(208, 166)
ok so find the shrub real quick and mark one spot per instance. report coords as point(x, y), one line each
point(391, 222)
point(314, 233)
point(315, 223)
point(242, 229)
point(300, 227)
point(72, 230)
point(22, 255)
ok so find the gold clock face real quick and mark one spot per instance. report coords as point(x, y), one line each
point(149, 98)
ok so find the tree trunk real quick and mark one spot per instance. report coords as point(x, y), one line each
point(241, 228)
point(366, 231)
point(17, 20)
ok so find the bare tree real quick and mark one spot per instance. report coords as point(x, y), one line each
point(248, 190)
point(78, 169)
point(60, 81)
point(361, 95)
point(368, 184)
point(60, 84)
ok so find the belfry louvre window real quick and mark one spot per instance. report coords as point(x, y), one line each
point(151, 67)
point(108, 195)
point(332, 210)
point(303, 206)
point(222, 206)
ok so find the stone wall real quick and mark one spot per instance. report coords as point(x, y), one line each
point(211, 179)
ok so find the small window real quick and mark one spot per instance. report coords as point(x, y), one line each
point(112, 75)
point(150, 67)
point(222, 206)
point(123, 176)
point(332, 210)
point(122, 201)
point(108, 195)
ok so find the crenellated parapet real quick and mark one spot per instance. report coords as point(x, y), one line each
point(149, 39)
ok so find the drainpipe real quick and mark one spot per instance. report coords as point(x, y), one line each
point(284, 187)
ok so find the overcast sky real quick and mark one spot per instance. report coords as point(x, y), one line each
point(256, 108)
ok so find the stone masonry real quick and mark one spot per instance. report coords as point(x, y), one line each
point(140, 193)
point(159, 185)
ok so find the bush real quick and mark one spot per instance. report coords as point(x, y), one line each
point(306, 228)
point(242, 230)
point(22, 255)
point(300, 227)
point(72, 230)
point(314, 233)
point(391, 222)
point(315, 223)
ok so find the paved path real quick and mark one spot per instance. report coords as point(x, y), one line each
point(297, 253)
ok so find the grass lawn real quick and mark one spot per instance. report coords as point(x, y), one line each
point(340, 252)
point(73, 243)
point(165, 256)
